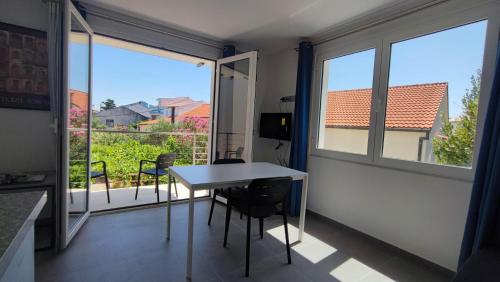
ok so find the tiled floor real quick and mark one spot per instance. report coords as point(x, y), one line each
point(131, 246)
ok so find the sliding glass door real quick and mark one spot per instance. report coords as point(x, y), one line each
point(77, 81)
point(234, 107)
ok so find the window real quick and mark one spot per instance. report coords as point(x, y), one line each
point(407, 98)
point(346, 103)
point(432, 96)
point(110, 123)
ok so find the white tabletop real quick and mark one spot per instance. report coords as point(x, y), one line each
point(206, 176)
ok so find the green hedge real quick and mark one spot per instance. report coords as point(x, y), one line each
point(122, 152)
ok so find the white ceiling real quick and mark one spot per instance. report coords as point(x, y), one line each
point(250, 22)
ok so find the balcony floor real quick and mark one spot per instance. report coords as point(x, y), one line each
point(125, 197)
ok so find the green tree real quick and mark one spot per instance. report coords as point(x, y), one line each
point(108, 104)
point(455, 144)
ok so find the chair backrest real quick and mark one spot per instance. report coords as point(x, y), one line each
point(268, 191)
point(228, 161)
point(165, 160)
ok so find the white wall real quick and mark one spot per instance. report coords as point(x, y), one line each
point(402, 145)
point(424, 215)
point(276, 76)
point(26, 141)
point(347, 140)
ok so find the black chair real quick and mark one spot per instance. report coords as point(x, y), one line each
point(261, 201)
point(162, 164)
point(222, 192)
point(100, 173)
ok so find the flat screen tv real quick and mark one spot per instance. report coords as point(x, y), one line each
point(276, 126)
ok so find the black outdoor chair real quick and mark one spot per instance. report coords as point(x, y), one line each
point(162, 164)
point(101, 173)
point(222, 192)
point(260, 201)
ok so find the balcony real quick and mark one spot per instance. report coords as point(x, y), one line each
point(122, 152)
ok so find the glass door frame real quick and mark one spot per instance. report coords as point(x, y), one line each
point(252, 75)
point(67, 234)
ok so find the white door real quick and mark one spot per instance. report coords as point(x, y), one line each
point(76, 105)
point(233, 109)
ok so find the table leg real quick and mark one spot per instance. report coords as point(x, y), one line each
point(189, 264)
point(303, 202)
point(169, 198)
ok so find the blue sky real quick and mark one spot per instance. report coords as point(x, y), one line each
point(126, 76)
point(451, 56)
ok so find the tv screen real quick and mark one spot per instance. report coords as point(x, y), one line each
point(276, 125)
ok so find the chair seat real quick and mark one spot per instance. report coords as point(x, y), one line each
point(481, 267)
point(95, 174)
point(153, 171)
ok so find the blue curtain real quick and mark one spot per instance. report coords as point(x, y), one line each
point(300, 127)
point(482, 220)
point(228, 51)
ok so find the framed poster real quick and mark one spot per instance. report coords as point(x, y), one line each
point(23, 68)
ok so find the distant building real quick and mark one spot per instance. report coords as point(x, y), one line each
point(414, 115)
point(181, 105)
point(125, 115)
point(201, 111)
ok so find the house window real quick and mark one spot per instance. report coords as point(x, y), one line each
point(110, 123)
point(432, 96)
point(346, 103)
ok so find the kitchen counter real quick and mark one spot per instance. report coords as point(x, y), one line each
point(18, 212)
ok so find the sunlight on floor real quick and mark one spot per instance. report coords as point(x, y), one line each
point(354, 270)
point(310, 248)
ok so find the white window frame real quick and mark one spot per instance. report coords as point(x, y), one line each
point(319, 104)
point(442, 17)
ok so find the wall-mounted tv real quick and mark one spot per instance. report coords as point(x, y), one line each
point(276, 126)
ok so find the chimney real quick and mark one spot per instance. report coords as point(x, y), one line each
point(172, 115)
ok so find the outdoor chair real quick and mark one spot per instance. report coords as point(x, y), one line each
point(162, 164)
point(101, 173)
point(260, 201)
point(236, 153)
point(221, 192)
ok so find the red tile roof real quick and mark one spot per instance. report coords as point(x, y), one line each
point(408, 106)
point(79, 99)
point(202, 111)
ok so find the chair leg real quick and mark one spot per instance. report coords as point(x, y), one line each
point(247, 265)
point(157, 189)
point(138, 183)
point(175, 186)
point(261, 227)
point(70, 196)
point(107, 186)
point(228, 219)
point(211, 209)
point(286, 237)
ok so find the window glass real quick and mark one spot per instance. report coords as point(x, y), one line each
point(432, 96)
point(346, 103)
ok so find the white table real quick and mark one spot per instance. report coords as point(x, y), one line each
point(202, 177)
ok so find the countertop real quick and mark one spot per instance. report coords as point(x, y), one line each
point(18, 212)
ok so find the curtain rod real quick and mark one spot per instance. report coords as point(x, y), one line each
point(379, 22)
point(142, 26)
